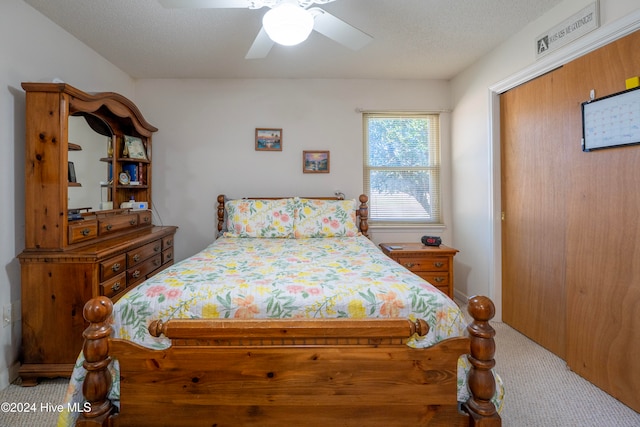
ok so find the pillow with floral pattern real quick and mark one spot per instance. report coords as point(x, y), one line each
point(325, 218)
point(260, 218)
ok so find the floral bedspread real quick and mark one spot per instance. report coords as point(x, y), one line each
point(280, 278)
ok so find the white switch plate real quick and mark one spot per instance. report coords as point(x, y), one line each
point(11, 313)
point(6, 315)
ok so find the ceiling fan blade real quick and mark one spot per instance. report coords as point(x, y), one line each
point(261, 46)
point(204, 4)
point(338, 30)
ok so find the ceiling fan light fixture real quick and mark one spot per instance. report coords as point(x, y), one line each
point(288, 24)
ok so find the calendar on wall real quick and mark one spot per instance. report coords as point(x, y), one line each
point(611, 121)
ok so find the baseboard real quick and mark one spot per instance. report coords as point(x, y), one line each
point(9, 375)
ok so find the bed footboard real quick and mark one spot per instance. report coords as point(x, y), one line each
point(289, 372)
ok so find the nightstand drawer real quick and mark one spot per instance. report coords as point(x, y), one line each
point(433, 263)
point(424, 264)
point(436, 279)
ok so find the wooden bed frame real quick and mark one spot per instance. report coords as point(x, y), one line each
point(289, 372)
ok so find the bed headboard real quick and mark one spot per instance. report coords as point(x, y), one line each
point(362, 213)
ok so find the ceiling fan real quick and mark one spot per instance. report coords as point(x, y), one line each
point(283, 18)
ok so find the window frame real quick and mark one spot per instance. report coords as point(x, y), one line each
point(434, 169)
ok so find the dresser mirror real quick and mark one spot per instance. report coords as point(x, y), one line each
point(87, 147)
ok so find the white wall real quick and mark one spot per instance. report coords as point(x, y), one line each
point(475, 137)
point(32, 48)
point(205, 142)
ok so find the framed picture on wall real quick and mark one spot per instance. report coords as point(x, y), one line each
point(315, 162)
point(268, 139)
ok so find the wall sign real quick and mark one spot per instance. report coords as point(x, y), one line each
point(583, 22)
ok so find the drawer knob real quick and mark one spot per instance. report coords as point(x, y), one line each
point(409, 264)
point(438, 264)
point(136, 274)
point(169, 256)
point(85, 232)
point(169, 242)
point(136, 258)
point(156, 262)
point(146, 219)
point(132, 222)
point(156, 248)
point(439, 279)
point(109, 227)
point(115, 267)
point(115, 287)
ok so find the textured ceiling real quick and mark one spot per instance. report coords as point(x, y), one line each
point(413, 39)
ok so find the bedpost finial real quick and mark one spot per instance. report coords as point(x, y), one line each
point(156, 328)
point(420, 327)
point(98, 310)
point(481, 308)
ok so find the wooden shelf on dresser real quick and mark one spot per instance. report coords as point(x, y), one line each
point(432, 263)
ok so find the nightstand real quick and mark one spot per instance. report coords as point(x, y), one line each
point(432, 263)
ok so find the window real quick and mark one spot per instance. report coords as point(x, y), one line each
point(402, 168)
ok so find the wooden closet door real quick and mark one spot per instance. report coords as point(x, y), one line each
point(533, 204)
point(603, 236)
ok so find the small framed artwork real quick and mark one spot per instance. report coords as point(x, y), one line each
point(268, 139)
point(135, 147)
point(315, 161)
point(72, 172)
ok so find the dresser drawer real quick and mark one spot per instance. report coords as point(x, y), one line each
point(424, 263)
point(82, 230)
point(138, 255)
point(114, 286)
point(167, 242)
point(144, 218)
point(115, 223)
point(167, 255)
point(140, 272)
point(112, 267)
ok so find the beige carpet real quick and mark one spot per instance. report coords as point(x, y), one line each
point(540, 392)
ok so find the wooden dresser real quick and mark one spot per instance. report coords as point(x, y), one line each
point(88, 229)
point(432, 263)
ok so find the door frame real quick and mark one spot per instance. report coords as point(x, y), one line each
point(587, 43)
